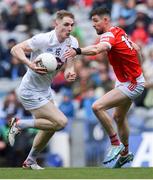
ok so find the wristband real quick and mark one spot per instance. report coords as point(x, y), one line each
point(77, 50)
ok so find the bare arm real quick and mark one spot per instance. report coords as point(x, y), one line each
point(89, 50)
point(95, 49)
point(19, 51)
point(137, 48)
point(140, 57)
point(69, 73)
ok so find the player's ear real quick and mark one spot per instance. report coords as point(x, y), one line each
point(105, 18)
point(56, 22)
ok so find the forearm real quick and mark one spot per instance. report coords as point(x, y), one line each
point(89, 50)
point(19, 53)
point(137, 48)
point(95, 49)
point(69, 65)
point(140, 57)
point(69, 73)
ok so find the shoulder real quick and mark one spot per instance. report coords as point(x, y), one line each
point(107, 34)
point(38, 41)
point(39, 37)
point(117, 30)
point(113, 32)
point(50, 33)
point(73, 39)
point(44, 36)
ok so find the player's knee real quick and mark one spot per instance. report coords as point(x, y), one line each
point(97, 107)
point(61, 123)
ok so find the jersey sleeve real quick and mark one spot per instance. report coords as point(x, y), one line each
point(37, 42)
point(74, 42)
point(108, 38)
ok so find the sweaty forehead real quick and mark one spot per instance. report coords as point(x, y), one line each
point(67, 19)
point(95, 18)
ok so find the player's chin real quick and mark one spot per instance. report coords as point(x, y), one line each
point(67, 34)
point(70, 80)
point(99, 32)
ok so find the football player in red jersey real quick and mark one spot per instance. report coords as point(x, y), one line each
point(124, 56)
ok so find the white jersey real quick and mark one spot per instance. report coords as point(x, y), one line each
point(41, 43)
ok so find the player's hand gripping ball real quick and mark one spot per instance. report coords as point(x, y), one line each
point(48, 61)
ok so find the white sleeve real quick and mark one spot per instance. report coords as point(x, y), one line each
point(37, 42)
point(74, 43)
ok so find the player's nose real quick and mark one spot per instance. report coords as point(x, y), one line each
point(70, 29)
point(94, 26)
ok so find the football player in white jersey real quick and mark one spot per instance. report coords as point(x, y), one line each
point(34, 91)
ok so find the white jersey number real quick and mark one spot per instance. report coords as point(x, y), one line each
point(125, 39)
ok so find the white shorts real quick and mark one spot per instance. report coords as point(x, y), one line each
point(33, 99)
point(131, 90)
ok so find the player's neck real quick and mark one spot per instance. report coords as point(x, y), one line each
point(107, 28)
point(59, 38)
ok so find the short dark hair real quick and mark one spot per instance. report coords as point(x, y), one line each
point(63, 13)
point(100, 11)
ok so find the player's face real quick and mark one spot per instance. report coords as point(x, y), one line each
point(98, 23)
point(65, 27)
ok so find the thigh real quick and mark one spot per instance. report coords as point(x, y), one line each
point(49, 111)
point(122, 110)
point(112, 99)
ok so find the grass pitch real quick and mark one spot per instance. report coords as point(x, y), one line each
point(77, 173)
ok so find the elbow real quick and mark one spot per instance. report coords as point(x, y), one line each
point(95, 52)
point(13, 49)
point(138, 49)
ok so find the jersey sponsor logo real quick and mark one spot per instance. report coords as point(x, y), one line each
point(50, 49)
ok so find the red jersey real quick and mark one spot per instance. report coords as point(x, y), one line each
point(122, 56)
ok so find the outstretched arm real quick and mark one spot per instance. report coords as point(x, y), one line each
point(89, 50)
point(95, 49)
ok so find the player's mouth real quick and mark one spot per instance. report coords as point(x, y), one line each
point(68, 34)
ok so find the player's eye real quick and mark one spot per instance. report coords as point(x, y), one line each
point(95, 20)
point(68, 24)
